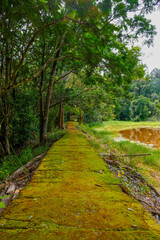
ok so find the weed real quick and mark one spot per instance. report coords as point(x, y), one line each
point(143, 188)
point(12, 162)
point(2, 205)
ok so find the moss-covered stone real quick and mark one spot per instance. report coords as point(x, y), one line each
point(73, 195)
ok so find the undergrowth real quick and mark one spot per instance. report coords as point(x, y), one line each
point(12, 162)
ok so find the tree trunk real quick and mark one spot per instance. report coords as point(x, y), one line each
point(41, 99)
point(48, 100)
point(68, 116)
point(61, 116)
point(4, 138)
point(81, 117)
point(4, 135)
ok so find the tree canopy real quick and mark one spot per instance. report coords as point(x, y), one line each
point(143, 102)
point(45, 43)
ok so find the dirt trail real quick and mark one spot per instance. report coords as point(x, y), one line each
point(74, 195)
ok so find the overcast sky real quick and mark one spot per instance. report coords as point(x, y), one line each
point(152, 54)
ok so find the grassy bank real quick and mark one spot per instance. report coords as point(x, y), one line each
point(103, 139)
point(113, 127)
point(11, 163)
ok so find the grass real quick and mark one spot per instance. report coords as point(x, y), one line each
point(12, 162)
point(113, 127)
point(105, 132)
point(102, 138)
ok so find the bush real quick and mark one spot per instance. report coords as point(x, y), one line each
point(23, 121)
point(11, 163)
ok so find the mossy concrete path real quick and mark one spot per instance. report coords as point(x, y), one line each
point(73, 195)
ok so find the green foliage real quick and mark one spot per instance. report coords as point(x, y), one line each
point(12, 162)
point(2, 205)
point(123, 109)
point(23, 121)
point(155, 73)
point(143, 102)
point(140, 109)
point(53, 118)
point(82, 38)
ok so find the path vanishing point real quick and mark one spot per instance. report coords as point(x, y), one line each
point(73, 195)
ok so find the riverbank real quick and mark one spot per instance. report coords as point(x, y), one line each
point(106, 133)
point(136, 173)
point(115, 126)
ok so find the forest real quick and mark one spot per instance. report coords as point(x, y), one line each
point(79, 120)
point(64, 58)
point(143, 100)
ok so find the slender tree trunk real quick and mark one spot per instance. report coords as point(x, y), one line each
point(68, 116)
point(4, 129)
point(81, 117)
point(61, 116)
point(4, 135)
point(1, 69)
point(2, 151)
point(48, 100)
point(41, 98)
point(4, 108)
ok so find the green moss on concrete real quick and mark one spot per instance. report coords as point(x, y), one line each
point(74, 195)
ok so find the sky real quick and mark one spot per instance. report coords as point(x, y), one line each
point(151, 55)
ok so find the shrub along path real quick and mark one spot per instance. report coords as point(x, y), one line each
point(73, 195)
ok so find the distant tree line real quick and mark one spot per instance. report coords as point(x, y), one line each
point(143, 101)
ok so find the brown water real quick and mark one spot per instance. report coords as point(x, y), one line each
point(143, 135)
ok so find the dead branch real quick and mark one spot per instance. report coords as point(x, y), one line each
point(125, 155)
point(24, 168)
point(153, 188)
point(117, 163)
point(140, 200)
point(10, 193)
point(154, 212)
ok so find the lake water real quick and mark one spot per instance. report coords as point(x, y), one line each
point(143, 135)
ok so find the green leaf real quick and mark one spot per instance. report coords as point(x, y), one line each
point(3, 197)
point(2, 205)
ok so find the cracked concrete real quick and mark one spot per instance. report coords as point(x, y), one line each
point(73, 195)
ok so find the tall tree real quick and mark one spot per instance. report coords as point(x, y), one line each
point(96, 35)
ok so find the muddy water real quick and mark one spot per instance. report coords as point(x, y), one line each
point(143, 135)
